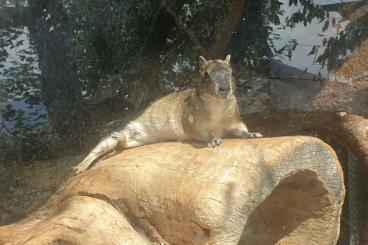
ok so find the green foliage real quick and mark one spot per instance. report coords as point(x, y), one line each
point(20, 82)
point(308, 12)
point(107, 35)
point(8, 40)
point(251, 41)
point(338, 48)
point(273, 11)
point(204, 17)
point(111, 37)
point(134, 50)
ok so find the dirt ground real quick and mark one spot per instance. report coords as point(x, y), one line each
point(25, 187)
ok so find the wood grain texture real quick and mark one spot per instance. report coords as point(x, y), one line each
point(286, 190)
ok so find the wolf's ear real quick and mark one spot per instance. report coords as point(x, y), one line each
point(227, 59)
point(202, 62)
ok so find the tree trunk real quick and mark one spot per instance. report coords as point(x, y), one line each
point(338, 107)
point(225, 32)
point(13, 16)
point(61, 88)
point(287, 190)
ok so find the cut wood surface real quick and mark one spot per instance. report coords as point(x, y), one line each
point(286, 190)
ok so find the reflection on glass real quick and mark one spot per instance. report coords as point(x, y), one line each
point(69, 67)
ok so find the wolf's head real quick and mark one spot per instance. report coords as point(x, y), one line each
point(216, 76)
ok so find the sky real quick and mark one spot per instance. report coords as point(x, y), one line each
point(307, 36)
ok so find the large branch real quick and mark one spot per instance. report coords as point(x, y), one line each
point(287, 190)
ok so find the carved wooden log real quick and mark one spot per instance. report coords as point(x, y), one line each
point(285, 190)
point(337, 108)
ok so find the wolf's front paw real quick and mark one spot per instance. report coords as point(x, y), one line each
point(215, 142)
point(256, 135)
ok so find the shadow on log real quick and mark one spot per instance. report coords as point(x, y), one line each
point(285, 190)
